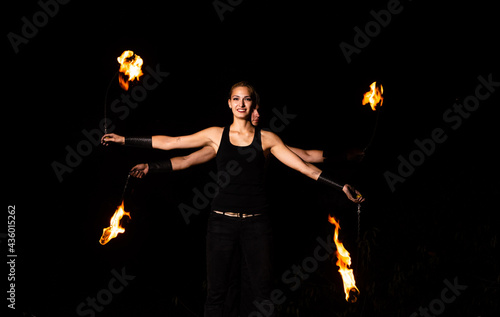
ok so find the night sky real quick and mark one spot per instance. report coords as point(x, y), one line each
point(429, 225)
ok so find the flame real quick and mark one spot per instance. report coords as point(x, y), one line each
point(344, 262)
point(374, 96)
point(114, 229)
point(130, 67)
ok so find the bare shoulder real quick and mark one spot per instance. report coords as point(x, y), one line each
point(269, 139)
point(213, 132)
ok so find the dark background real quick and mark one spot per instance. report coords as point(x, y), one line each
point(440, 223)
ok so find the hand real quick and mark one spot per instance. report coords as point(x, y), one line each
point(353, 194)
point(140, 170)
point(112, 137)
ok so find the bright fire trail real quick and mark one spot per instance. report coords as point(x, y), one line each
point(344, 263)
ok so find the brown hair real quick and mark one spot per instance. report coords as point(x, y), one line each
point(253, 93)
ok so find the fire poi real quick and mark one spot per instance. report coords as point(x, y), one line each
point(115, 227)
point(344, 263)
point(374, 96)
point(375, 99)
point(130, 70)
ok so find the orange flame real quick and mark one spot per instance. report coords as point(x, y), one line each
point(344, 262)
point(114, 229)
point(374, 96)
point(130, 67)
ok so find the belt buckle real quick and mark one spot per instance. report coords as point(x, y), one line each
point(235, 214)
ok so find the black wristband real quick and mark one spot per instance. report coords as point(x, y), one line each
point(163, 166)
point(324, 179)
point(144, 142)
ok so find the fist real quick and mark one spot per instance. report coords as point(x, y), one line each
point(140, 170)
point(112, 137)
point(353, 194)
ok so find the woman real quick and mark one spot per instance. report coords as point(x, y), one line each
point(239, 222)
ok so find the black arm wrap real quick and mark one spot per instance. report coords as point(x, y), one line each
point(324, 179)
point(144, 142)
point(163, 166)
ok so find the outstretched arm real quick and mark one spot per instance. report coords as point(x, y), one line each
point(207, 137)
point(309, 156)
point(199, 157)
point(287, 157)
point(272, 142)
point(319, 156)
point(174, 164)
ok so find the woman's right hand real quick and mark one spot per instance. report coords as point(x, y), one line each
point(112, 137)
point(353, 194)
point(140, 170)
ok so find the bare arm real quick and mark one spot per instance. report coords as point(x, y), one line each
point(287, 157)
point(309, 156)
point(199, 157)
point(272, 142)
point(202, 138)
point(176, 163)
point(207, 137)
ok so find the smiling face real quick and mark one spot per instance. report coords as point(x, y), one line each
point(241, 103)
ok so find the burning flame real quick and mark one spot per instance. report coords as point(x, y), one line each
point(130, 67)
point(374, 96)
point(344, 262)
point(114, 229)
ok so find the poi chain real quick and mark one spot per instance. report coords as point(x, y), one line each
point(359, 220)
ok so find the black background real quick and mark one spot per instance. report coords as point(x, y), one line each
point(440, 223)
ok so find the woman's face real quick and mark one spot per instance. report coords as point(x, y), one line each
point(255, 116)
point(241, 103)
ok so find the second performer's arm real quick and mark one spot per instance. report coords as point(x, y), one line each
point(276, 146)
point(175, 163)
point(309, 156)
point(204, 138)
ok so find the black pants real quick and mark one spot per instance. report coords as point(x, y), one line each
point(231, 243)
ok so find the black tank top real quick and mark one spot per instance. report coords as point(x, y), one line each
point(240, 176)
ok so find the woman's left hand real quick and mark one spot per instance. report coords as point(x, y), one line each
point(353, 194)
